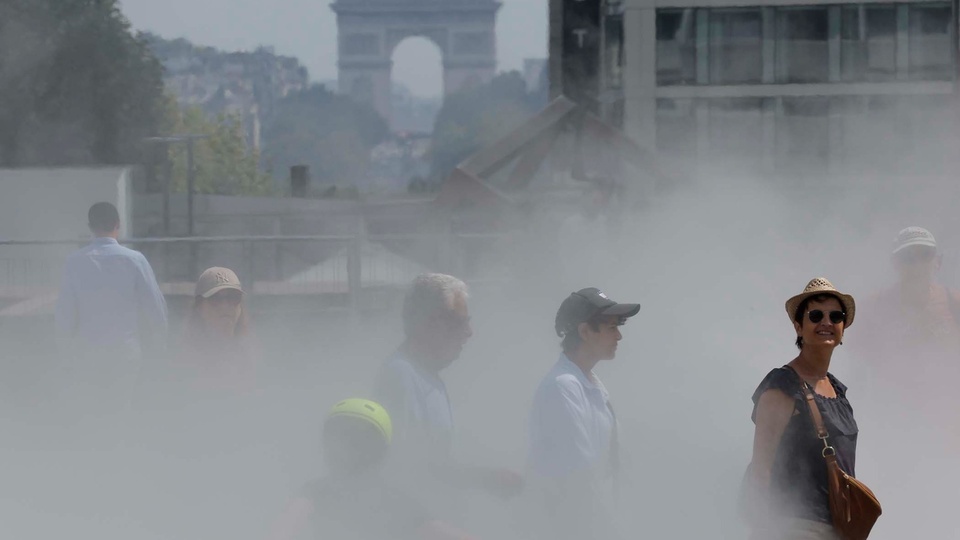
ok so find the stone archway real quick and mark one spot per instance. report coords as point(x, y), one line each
point(369, 31)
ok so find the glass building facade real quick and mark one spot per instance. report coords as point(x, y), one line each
point(790, 87)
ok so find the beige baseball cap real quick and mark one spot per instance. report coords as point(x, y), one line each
point(216, 279)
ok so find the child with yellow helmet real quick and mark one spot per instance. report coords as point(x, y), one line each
point(353, 501)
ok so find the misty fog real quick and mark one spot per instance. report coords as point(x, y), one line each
point(711, 258)
point(711, 264)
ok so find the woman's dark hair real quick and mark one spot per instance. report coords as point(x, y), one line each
point(802, 309)
point(196, 334)
point(572, 339)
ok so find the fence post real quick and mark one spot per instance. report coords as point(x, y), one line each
point(249, 248)
point(453, 252)
point(354, 270)
point(278, 252)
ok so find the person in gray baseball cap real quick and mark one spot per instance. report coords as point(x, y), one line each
point(573, 457)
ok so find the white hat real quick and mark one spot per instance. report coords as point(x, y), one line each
point(913, 236)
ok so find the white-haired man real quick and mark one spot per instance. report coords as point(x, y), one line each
point(436, 323)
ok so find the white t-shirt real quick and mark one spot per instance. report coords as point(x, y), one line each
point(422, 419)
point(418, 405)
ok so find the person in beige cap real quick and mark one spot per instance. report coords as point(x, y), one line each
point(217, 344)
point(786, 484)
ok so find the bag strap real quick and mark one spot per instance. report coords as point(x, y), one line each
point(815, 415)
point(954, 306)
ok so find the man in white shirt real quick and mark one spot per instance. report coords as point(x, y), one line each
point(436, 323)
point(574, 450)
point(110, 309)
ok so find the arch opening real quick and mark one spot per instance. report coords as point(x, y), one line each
point(416, 81)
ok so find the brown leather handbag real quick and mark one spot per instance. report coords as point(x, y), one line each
point(854, 509)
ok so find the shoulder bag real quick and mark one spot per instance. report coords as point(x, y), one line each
point(853, 507)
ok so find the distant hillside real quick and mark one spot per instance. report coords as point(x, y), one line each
point(246, 83)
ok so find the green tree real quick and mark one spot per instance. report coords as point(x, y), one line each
point(471, 119)
point(331, 134)
point(78, 87)
point(223, 163)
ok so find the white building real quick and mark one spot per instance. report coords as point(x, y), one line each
point(796, 88)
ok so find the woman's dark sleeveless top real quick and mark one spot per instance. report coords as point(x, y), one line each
point(799, 476)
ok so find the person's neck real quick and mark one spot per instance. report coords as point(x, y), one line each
point(585, 362)
point(113, 235)
point(419, 355)
point(812, 364)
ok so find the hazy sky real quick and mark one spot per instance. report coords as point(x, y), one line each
point(307, 29)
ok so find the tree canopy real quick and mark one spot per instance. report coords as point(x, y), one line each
point(331, 134)
point(223, 162)
point(471, 119)
point(78, 86)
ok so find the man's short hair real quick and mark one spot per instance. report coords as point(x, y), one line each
point(430, 295)
point(103, 217)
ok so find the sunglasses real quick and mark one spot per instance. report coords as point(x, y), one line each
point(836, 317)
point(228, 297)
point(914, 256)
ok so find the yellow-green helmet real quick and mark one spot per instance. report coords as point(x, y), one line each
point(367, 410)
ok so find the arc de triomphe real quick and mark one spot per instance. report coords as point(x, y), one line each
point(369, 31)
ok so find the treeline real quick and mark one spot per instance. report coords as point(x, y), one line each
point(81, 88)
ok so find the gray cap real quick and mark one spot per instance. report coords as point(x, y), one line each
point(587, 303)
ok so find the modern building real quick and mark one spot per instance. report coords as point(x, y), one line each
point(776, 85)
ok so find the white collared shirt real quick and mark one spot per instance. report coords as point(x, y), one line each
point(109, 302)
point(571, 424)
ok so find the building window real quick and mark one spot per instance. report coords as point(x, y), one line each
point(676, 47)
point(736, 131)
point(677, 127)
point(930, 50)
point(613, 45)
point(735, 46)
point(802, 47)
point(868, 43)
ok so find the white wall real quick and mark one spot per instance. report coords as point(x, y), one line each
point(51, 204)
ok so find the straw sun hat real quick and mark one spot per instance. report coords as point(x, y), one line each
point(819, 286)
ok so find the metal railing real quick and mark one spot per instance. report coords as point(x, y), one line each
point(339, 268)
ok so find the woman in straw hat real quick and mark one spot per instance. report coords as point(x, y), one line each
point(788, 475)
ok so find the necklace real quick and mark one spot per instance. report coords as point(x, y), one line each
point(815, 379)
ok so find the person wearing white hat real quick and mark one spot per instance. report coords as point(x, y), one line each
point(917, 315)
point(787, 478)
point(906, 363)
